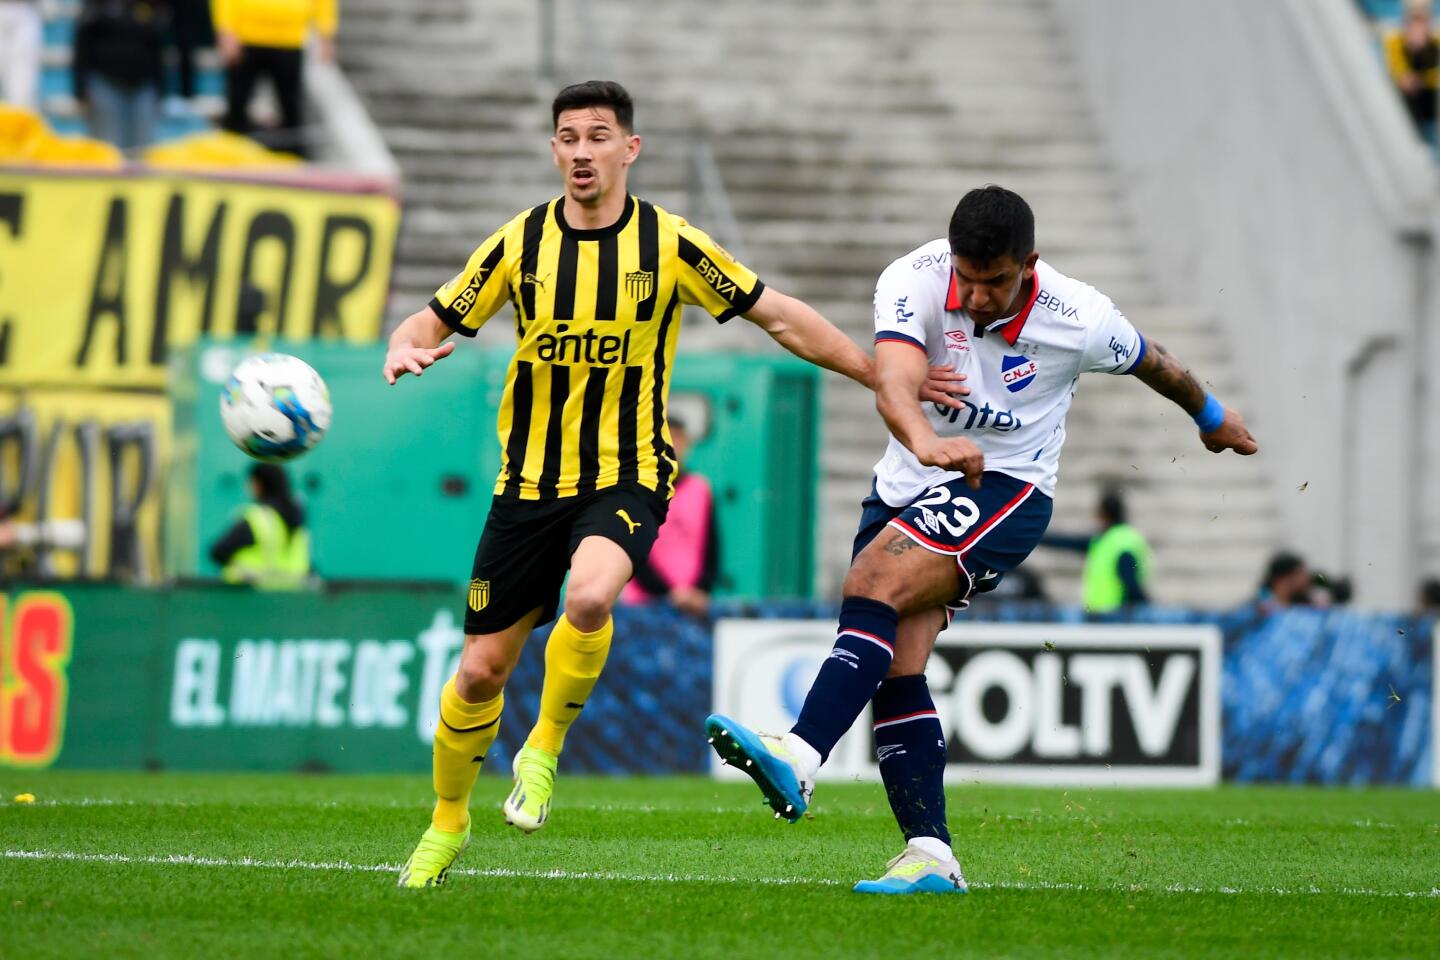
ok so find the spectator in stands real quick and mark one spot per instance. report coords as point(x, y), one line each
point(189, 30)
point(266, 38)
point(1430, 598)
point(1412, 53)
point(268, 546)
point(686, 557)
point(1330, 591)
point(22, 36)
point(119, 71)
point(1117, 559)
point(1288, 582)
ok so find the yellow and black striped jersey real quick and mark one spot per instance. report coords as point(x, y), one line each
point(597, 317)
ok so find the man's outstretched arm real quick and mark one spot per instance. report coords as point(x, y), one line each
point(799, 328)
point(416, 344)
point(1220, 427)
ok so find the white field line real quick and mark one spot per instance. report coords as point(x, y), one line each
point(622, 877)
point(365, 804)
point(608, 807)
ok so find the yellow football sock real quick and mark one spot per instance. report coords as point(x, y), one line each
point(573, 661)
point(465, 732)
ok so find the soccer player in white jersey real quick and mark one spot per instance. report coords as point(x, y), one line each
point(961, 496)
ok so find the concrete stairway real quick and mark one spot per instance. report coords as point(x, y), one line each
point(845, 132)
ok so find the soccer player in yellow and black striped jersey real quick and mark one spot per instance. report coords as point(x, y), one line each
point(598, 280)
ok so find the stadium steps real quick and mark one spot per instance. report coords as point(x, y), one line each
point(844, 133)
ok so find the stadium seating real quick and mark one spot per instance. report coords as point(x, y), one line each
point(831, 177)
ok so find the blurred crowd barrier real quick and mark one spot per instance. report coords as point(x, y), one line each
point(104, 276)
point(27, 140)
point(348, 679)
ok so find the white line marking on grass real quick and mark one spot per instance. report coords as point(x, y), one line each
point(185, 859)
point(374, 805)
point(341, 866)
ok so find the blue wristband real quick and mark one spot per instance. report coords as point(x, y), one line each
point(1211, 415)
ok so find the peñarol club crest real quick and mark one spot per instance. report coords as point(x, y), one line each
point(640, 284)
point(479, 594)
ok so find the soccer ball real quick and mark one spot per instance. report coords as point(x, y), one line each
point(275, 407)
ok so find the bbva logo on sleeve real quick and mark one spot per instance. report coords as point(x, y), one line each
point(1021, 703)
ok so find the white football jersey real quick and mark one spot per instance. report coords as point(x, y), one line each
point(1022, 370)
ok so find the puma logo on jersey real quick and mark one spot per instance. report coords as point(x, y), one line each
point(532, 279)
point(632, 524)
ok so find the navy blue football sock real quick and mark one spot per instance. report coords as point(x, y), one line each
point(910, 745)
point(864, 647)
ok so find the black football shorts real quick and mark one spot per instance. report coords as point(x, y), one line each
point(524, 551)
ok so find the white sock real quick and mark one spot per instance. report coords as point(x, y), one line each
point(806, 756)
point(935, 847)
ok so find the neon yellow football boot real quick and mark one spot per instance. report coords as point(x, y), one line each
point(528, 806)
point(434, 855)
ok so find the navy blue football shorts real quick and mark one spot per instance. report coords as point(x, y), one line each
point(988, 531)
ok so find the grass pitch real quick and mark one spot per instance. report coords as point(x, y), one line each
point(188, 865)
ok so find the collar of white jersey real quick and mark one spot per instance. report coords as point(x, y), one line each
point(1012, 327)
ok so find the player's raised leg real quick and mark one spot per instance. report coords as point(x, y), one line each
point(887, 579)
point(470, 707)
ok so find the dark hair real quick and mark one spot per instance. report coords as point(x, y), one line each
point(274, 484)
point(1112, 506)
point(1282, 565)
point(990, 222)
point(596, 93)
point(272, 480)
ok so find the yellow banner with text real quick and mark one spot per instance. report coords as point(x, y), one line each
point(101, 276)
point(82, 476)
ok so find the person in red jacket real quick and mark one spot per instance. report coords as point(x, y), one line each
point(683, 564)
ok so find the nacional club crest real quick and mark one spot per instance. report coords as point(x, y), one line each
point(640, 284)
point(1017, 372)
point(479, 594)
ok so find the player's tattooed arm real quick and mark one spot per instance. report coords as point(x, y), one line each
point(1161, 371)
